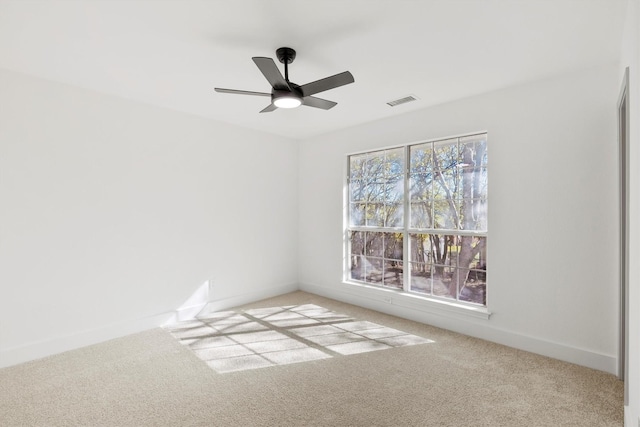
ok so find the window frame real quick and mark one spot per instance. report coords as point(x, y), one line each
point(407, 229)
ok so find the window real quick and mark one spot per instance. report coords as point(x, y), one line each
point(417, 218)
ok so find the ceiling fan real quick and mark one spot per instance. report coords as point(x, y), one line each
point(286, 94)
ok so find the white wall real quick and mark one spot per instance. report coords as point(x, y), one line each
point(552, 254)
point(631, 59)
point(113, 213)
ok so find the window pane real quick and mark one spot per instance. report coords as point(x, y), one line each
point(357, 240)
point(357, 214)
point(421, 248)
point(373, 177)
point(420, 186)
point(444, 281)
point(480, 212)
point(478, 146)
point(473, 286)
point(445, 154)
point(473, 183)
point(356, 166)
point(373, 270)
point(482, 187)
point(473, 214)
point(421, 263)
point(445, 184)
point(394, 191)
point(373, 189)
point(356, 243)
point(446, 215)
point(393, 246)
point(454, 246)
point(472, 273)
point(356, 190)
point(442, 247)
point(357, 267)
point(374, 244)
point(375, 214)
point(421, 158)
point(394, 216)
point(420, 278)
point(473, 252)
point(475, 196)
point(374, 165)
point(394, 166)
point(393, 274)
point(394, 207)
point(421, 216)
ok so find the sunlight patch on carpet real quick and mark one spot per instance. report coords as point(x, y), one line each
point(231, 341)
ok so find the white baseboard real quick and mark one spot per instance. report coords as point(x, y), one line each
point(468, 326)
point(48, 347)
point(464, 324)
point(223, 304)
point(55, 345)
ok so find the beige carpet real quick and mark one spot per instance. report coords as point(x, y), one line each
point(434, 378)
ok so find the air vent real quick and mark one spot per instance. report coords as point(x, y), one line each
point(404, 100)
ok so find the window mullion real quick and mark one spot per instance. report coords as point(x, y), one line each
point(446, 231)
point(347, 229)
point(378, 229)
point(405, 224)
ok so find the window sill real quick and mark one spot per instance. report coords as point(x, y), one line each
point(416, 302)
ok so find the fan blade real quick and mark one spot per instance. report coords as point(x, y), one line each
point(312, 101)
point(327, 83)
point(271, 73)
point(241, 92)
point(269, 108)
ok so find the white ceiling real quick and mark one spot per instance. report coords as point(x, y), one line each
point(172, 53)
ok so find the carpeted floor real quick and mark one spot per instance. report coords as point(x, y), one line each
point(183, 377)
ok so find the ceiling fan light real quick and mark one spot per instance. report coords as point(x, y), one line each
point(287, 102)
